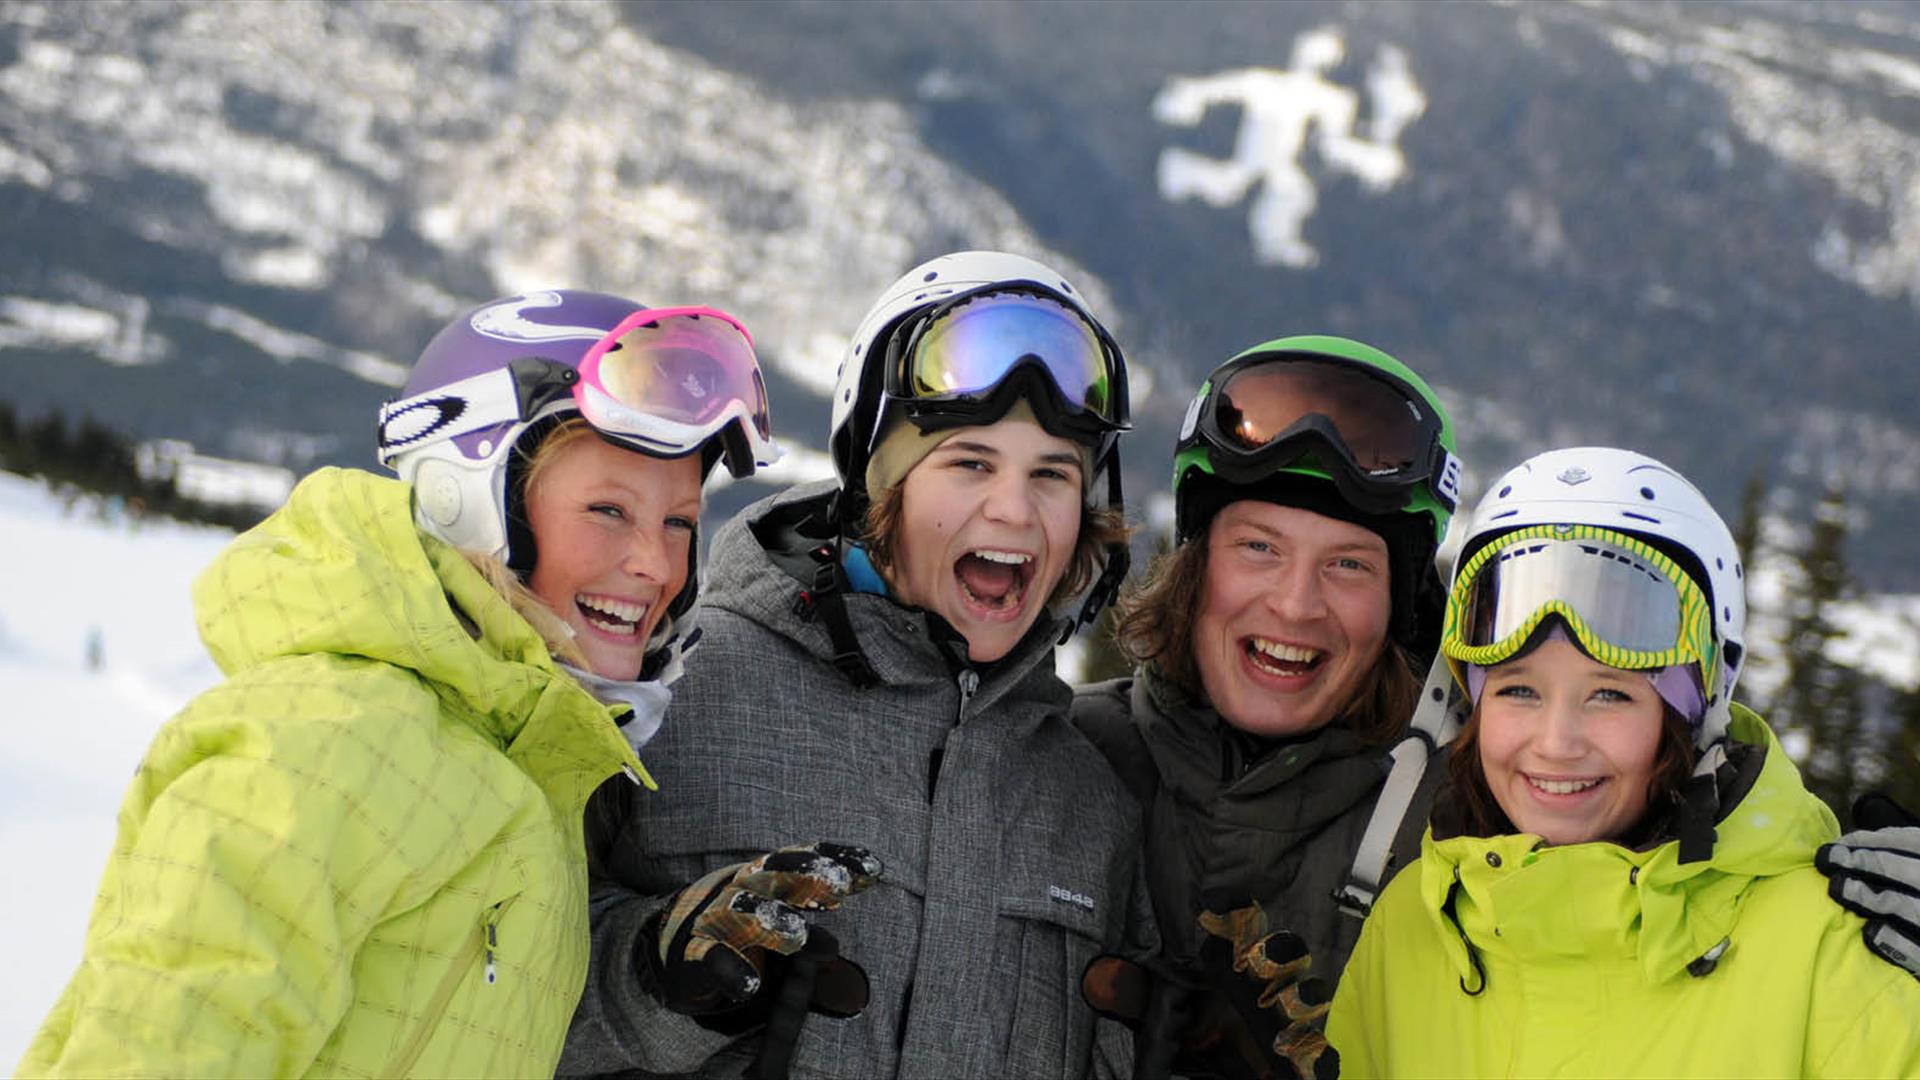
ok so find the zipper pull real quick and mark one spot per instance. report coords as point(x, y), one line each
point(493, 941)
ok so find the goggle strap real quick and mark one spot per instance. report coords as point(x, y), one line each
point(1446, 477)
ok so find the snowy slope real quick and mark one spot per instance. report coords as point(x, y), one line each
point(74, 737)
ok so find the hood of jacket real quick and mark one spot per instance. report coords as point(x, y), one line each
point(1581, 899)
point(1290, 787)
point(342, 569)
point(902, 644)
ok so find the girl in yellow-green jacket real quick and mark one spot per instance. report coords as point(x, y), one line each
point(1619, 878)
point(361, 854)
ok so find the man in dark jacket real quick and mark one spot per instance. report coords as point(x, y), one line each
point(1278, 645)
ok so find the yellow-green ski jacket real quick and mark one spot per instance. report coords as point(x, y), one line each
point(361, 855)
point(1595, 960)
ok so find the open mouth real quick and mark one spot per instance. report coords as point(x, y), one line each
point(617, 617)
point(1563, 787)
point(1279, 658)
point(994, 580)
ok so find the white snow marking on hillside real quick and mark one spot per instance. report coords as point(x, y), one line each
point(1280, 110)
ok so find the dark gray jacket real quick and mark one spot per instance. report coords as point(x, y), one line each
point(1277, 823)
point(1010, 847)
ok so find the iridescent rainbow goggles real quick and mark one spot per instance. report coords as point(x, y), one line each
point(1628, 605)
point(977, 351)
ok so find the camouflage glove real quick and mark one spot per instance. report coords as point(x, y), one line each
point(1180, 1027)
point(1263, 975)
point(1876, 874)
point(727, 937)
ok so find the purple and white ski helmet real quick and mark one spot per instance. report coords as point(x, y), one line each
point(493, 382)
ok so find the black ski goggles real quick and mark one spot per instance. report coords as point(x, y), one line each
point(1367, 429)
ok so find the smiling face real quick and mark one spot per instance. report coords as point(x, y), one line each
point(1293, 616)
point(612, 529)
point(1568, 744)
point(988, 521)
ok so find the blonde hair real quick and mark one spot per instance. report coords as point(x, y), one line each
point(552, 629)
point(545, 621)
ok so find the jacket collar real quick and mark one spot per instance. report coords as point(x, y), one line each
point(1599, 898)
point(904, 645)
point(342, 569)
point(1207, 761)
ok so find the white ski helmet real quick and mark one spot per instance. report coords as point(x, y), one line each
point(1624, 491)
point(860, 396)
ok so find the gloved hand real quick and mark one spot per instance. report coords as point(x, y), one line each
point(1875, 872)
point(1251, 1011)
point(1264, 975)
point(723, 940)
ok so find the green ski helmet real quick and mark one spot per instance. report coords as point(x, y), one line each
point(1341, 429)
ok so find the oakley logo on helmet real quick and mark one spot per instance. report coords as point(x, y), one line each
point(506, 322)
point(417, 420)
point(1574, 476)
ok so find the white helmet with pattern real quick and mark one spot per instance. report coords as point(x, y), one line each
point(1628, 492)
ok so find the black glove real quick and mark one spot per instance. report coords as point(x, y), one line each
point(1263, 975)
point(723, 940)
point(1250, 1011)
point(1876, 874)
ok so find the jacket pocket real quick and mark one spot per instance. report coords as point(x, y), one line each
point(1042, 944)
point(478, 949)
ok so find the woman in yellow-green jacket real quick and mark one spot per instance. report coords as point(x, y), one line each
point(362, 853)
point(1619, 878)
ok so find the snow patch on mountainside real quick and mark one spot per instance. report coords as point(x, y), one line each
point(1806, 100)
point(551, 144)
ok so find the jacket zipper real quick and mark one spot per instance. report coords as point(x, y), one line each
point(969, 683)
point(484, 940)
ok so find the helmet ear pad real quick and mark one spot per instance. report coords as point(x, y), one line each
point(1417, 595)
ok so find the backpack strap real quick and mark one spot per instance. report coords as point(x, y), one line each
point(1437, 720)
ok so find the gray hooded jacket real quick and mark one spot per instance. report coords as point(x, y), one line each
point(1010, 848)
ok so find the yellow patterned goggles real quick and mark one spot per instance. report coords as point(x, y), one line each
point(1629, 605)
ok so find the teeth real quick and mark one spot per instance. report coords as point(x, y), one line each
point(1010, 558)
point(1561, 787)
point(1288, 653)
point(621, 617)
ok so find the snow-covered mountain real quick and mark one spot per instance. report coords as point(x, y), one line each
point(1693, 228)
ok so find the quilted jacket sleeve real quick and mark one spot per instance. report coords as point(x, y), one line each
point(257, 846)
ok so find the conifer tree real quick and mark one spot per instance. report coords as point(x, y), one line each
point(1820, 699)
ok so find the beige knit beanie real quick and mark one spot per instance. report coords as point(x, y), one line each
point(904, 445)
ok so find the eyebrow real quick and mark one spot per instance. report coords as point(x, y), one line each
point(1056, 457)
point(1371, 547)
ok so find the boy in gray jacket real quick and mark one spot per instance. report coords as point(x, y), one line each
point(876, 666)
